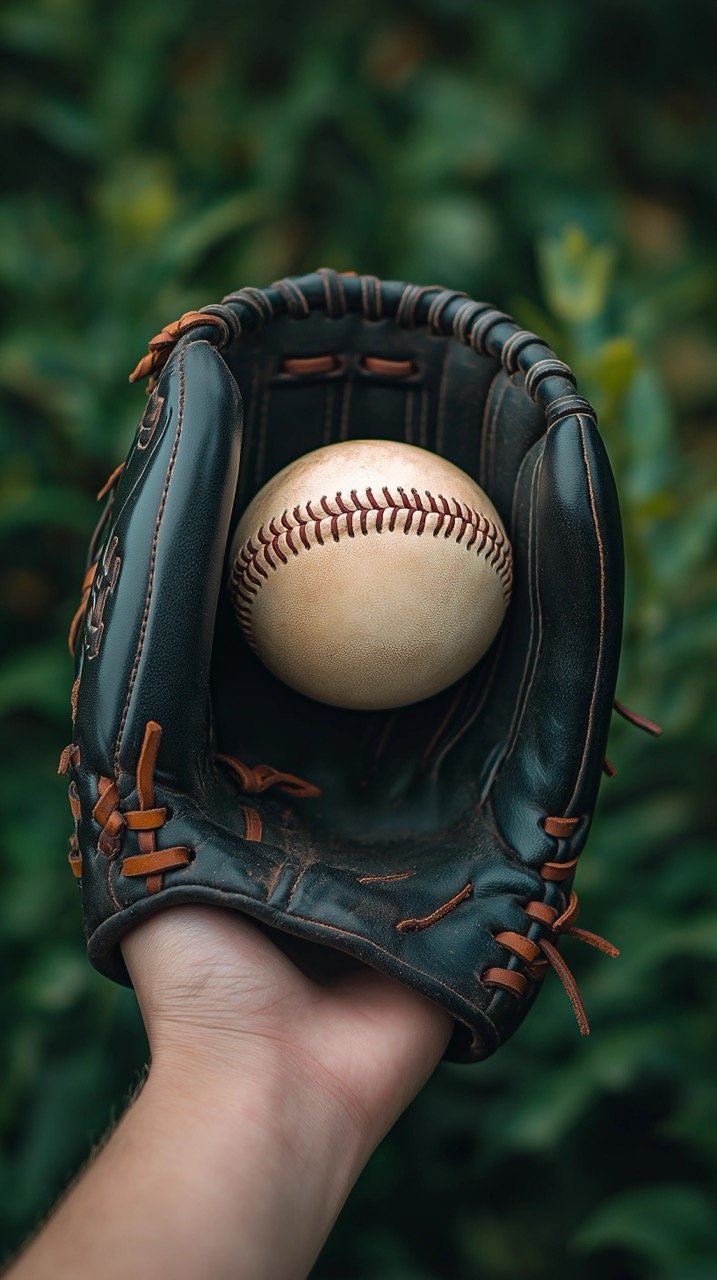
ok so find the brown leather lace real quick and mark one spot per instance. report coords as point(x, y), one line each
point(70, 757)
point(564, 924)
point(146, 820)
point(640, 722)
point(79, 613)
point(543, 952)
point(160, 347)
point(254, 779)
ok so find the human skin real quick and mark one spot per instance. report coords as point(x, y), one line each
point(273, 1077)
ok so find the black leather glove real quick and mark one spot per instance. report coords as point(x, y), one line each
point(438, 842)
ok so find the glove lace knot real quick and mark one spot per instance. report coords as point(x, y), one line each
point(146, 820)
point(542, 953)
point(160, 347)
point(254, 779)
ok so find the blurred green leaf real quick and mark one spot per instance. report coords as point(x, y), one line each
point(671, 1226)
point(36, 680)
point(576, 275)
point(614, 365)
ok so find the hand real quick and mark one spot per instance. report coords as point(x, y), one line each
point(217, 991)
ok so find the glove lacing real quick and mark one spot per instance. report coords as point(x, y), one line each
point(254, 779)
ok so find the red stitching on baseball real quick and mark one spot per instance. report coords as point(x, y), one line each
point(485, 536)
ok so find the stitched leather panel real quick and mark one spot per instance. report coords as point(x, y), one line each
point(154, 659)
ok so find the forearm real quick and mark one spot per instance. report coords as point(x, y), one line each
point(241, 1176)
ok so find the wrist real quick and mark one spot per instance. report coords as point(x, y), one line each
point(270, 1157)
point(267, 1084)
point(230, 1073)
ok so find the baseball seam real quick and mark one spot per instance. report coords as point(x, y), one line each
point(411, 511)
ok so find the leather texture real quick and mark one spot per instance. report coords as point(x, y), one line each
point(438, 842)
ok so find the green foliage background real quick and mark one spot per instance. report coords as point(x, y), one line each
point(558, 159)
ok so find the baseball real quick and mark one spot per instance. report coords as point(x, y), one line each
point(370, 574)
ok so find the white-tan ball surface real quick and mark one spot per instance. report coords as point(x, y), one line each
point(370, 574)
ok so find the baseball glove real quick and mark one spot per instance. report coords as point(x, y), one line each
point(437, 843)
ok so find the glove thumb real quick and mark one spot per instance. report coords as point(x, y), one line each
point(149, 624)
